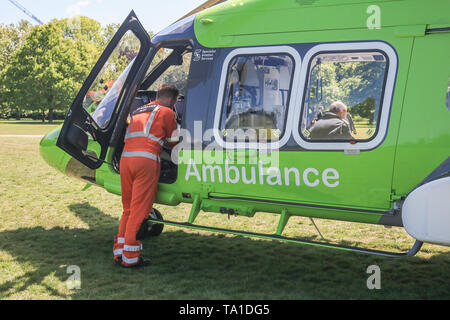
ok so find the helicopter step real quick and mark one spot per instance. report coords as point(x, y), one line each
point(412, 252)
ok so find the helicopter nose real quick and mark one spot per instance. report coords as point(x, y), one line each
point(51, 153)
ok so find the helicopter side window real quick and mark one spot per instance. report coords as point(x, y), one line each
point(354, 80)
point(257, 97)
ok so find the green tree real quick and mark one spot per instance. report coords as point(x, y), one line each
point(48, 70)
point(365, 110)
point(108, 32)
point(12, 38)
point(176, 75)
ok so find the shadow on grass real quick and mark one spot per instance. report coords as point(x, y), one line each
point(191, 265)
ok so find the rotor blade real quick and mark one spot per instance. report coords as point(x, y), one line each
point(206, 5)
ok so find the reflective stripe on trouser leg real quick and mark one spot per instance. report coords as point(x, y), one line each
point(118, 247)
point(129, 261)
point(130, 254)
point(145, 175)
point(133, 248)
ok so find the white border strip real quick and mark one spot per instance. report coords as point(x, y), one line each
point(292, 101)
point(385, 106)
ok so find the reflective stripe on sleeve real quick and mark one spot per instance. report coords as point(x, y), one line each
point(141, 154)
point(121, 240)
point(118, 252)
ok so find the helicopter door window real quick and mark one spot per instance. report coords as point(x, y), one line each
point(257, 97)
point(347, 97)
point(102, 97)
point(356, 80)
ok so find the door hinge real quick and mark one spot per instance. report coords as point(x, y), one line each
point(397, 200)
point(395, 197)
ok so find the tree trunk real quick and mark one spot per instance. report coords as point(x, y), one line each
point(50, 115)
point(43, 116)
point(16, 113)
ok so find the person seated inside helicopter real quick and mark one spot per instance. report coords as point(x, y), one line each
point(319, 114)
point(333, 125)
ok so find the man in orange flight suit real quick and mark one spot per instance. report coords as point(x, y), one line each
point(151, 125)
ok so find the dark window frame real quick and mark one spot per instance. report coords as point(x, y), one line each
point(288, 99)
point(382, 96)
point(120, 97)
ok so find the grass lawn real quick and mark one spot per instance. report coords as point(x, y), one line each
point(26, 127)
point(48, 223)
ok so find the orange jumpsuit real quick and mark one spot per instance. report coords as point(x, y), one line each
point(139, 174)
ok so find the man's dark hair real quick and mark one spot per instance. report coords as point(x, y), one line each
point(168, 91)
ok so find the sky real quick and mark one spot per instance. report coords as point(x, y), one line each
point(154, 15)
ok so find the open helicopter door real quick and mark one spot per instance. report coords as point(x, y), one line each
point(103, 99)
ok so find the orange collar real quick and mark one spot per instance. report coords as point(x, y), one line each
point(160, 104)
point(157, 103)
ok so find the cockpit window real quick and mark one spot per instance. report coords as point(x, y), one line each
point(344, 96)
point(256, 97)
point(175, 74)
point(101, 99)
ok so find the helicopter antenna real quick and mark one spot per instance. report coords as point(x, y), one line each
point(28, 13)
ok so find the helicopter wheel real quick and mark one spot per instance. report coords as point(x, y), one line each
point(155, 229)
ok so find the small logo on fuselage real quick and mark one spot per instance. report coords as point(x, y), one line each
point(197, 55)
